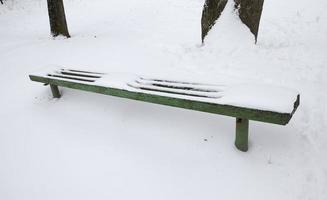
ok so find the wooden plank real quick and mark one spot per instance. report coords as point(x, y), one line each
point(232, 111)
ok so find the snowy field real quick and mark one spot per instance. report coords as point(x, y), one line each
point(91, 146)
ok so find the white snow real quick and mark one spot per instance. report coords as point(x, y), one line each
point(262, 97)
point(91, 146)
point(252, 96)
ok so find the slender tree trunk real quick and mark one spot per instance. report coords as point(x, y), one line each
point(57, 18)
point(212, 10)
point(250, 14)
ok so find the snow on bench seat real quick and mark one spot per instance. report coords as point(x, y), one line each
point(260, 98)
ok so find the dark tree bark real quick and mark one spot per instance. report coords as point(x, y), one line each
point(250, 14)
point(212, 10)
point(57, 18)
point(1, 2)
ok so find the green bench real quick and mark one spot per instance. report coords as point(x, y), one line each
point(245, 102)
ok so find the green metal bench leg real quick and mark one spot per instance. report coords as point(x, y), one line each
point(242, 133)
point(55, 91)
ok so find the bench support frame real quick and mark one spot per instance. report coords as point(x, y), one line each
point(242, 134)
point(55, 91)
point(79, 80)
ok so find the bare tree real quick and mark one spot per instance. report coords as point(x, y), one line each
point(57, 18)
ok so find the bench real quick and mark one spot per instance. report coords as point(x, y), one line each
point(245, 102)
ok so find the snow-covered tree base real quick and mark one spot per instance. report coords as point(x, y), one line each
point(249, 12)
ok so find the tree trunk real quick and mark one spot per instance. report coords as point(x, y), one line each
point(57, 18)
point(212, 10)
point(250, 14)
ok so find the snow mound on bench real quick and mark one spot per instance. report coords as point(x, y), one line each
point(253, 96)
point(261, 97)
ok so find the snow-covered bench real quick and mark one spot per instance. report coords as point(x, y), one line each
point(244, 102)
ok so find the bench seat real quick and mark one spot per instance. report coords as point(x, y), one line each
point(245, 102)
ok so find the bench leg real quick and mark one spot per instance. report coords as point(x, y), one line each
point(55, 91)
point(242, 133)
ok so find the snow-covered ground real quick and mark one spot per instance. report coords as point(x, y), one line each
point(90, 146)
